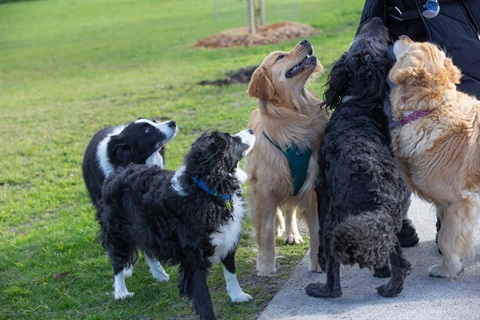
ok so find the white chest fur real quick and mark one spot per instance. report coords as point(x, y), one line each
point(228, 235)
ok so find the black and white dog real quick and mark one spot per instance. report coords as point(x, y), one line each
point(114, 148)
point(111, 148)
point(191, 217)
point(360, 190)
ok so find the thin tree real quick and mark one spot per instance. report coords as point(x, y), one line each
point(256, 15)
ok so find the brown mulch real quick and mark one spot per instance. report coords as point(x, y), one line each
point(267, 34)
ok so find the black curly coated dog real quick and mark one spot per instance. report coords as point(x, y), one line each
point(191, 217)
point(360, 189)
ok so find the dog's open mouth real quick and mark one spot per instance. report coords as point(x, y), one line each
point(309, 59)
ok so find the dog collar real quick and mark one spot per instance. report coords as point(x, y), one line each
point(226, 197)
point(414, 116)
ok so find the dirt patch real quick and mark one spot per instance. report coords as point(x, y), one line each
point(267, 34)
point(242, 75)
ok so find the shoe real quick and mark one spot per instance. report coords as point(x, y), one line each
point(408, 235)
point(438, 225)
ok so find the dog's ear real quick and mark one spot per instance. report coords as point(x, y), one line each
point(403, 71)
point(120, 152)
point(453, 74)
point(336, 82)
point(260, 85)
point(218, 142)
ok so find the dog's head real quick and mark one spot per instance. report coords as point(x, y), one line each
point(214, 156)
point(361, 72)
point(139, 141)
point(423, 64)
point(281, 77)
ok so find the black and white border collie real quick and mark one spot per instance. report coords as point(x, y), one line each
point(191, 217)
point(112, 148)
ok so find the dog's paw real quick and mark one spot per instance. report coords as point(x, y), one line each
point(161, 276)
point(315, 267)
point(292, 239)
point(439, 271)
point(266, 271)
point(120, 295)
point(389, 291)
point(320, 290)
point(156, 269)
point(241, 297)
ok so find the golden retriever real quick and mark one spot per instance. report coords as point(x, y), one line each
point(288, 121)
point(438, 146)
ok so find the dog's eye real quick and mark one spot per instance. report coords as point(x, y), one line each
point(147, 130)
point(280, 57)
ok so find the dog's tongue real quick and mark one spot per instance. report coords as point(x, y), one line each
point(296, 70)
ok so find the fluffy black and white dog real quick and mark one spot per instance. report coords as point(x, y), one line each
point(191, 217)
point(360, 189)
point(112, 148)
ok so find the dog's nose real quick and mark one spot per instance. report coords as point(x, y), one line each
point(172, 124)
point(250, 131)
point(304, 41)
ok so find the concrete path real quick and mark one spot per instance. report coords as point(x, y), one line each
point(423, 297)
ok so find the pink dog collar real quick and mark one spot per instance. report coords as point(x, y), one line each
point(414, 116)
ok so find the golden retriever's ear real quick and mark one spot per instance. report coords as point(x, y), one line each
point(260, 85)
point(403, 70)
point(454, 74)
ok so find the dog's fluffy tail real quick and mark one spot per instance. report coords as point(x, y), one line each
point(366, 239)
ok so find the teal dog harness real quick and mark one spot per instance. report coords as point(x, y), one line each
point(297, 161)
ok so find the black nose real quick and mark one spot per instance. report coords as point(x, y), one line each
point(304, 41)
point(172, 124)
point(250, 131)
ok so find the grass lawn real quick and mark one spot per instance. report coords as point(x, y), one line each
point(70, 68)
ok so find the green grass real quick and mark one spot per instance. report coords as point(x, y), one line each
point(70, 68)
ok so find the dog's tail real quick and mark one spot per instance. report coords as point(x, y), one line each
point(366, 239)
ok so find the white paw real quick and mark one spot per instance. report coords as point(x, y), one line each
point(314, 267)
point(241, 297)
point(161, 276)
point(266, 271)
point(120, 295)
point(293, 239)
point(439, 271)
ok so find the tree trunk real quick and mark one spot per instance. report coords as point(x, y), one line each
point(252, 28)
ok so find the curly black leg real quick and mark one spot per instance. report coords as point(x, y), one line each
point(400, 269)
point(332, 288)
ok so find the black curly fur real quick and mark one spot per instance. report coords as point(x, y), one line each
point(361, 193)
point(142, 210)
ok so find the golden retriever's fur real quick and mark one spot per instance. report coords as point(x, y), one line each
point(440, 152)
point(290, 115)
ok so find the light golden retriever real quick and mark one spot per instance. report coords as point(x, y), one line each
point(288, 119)
point(438, 146)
